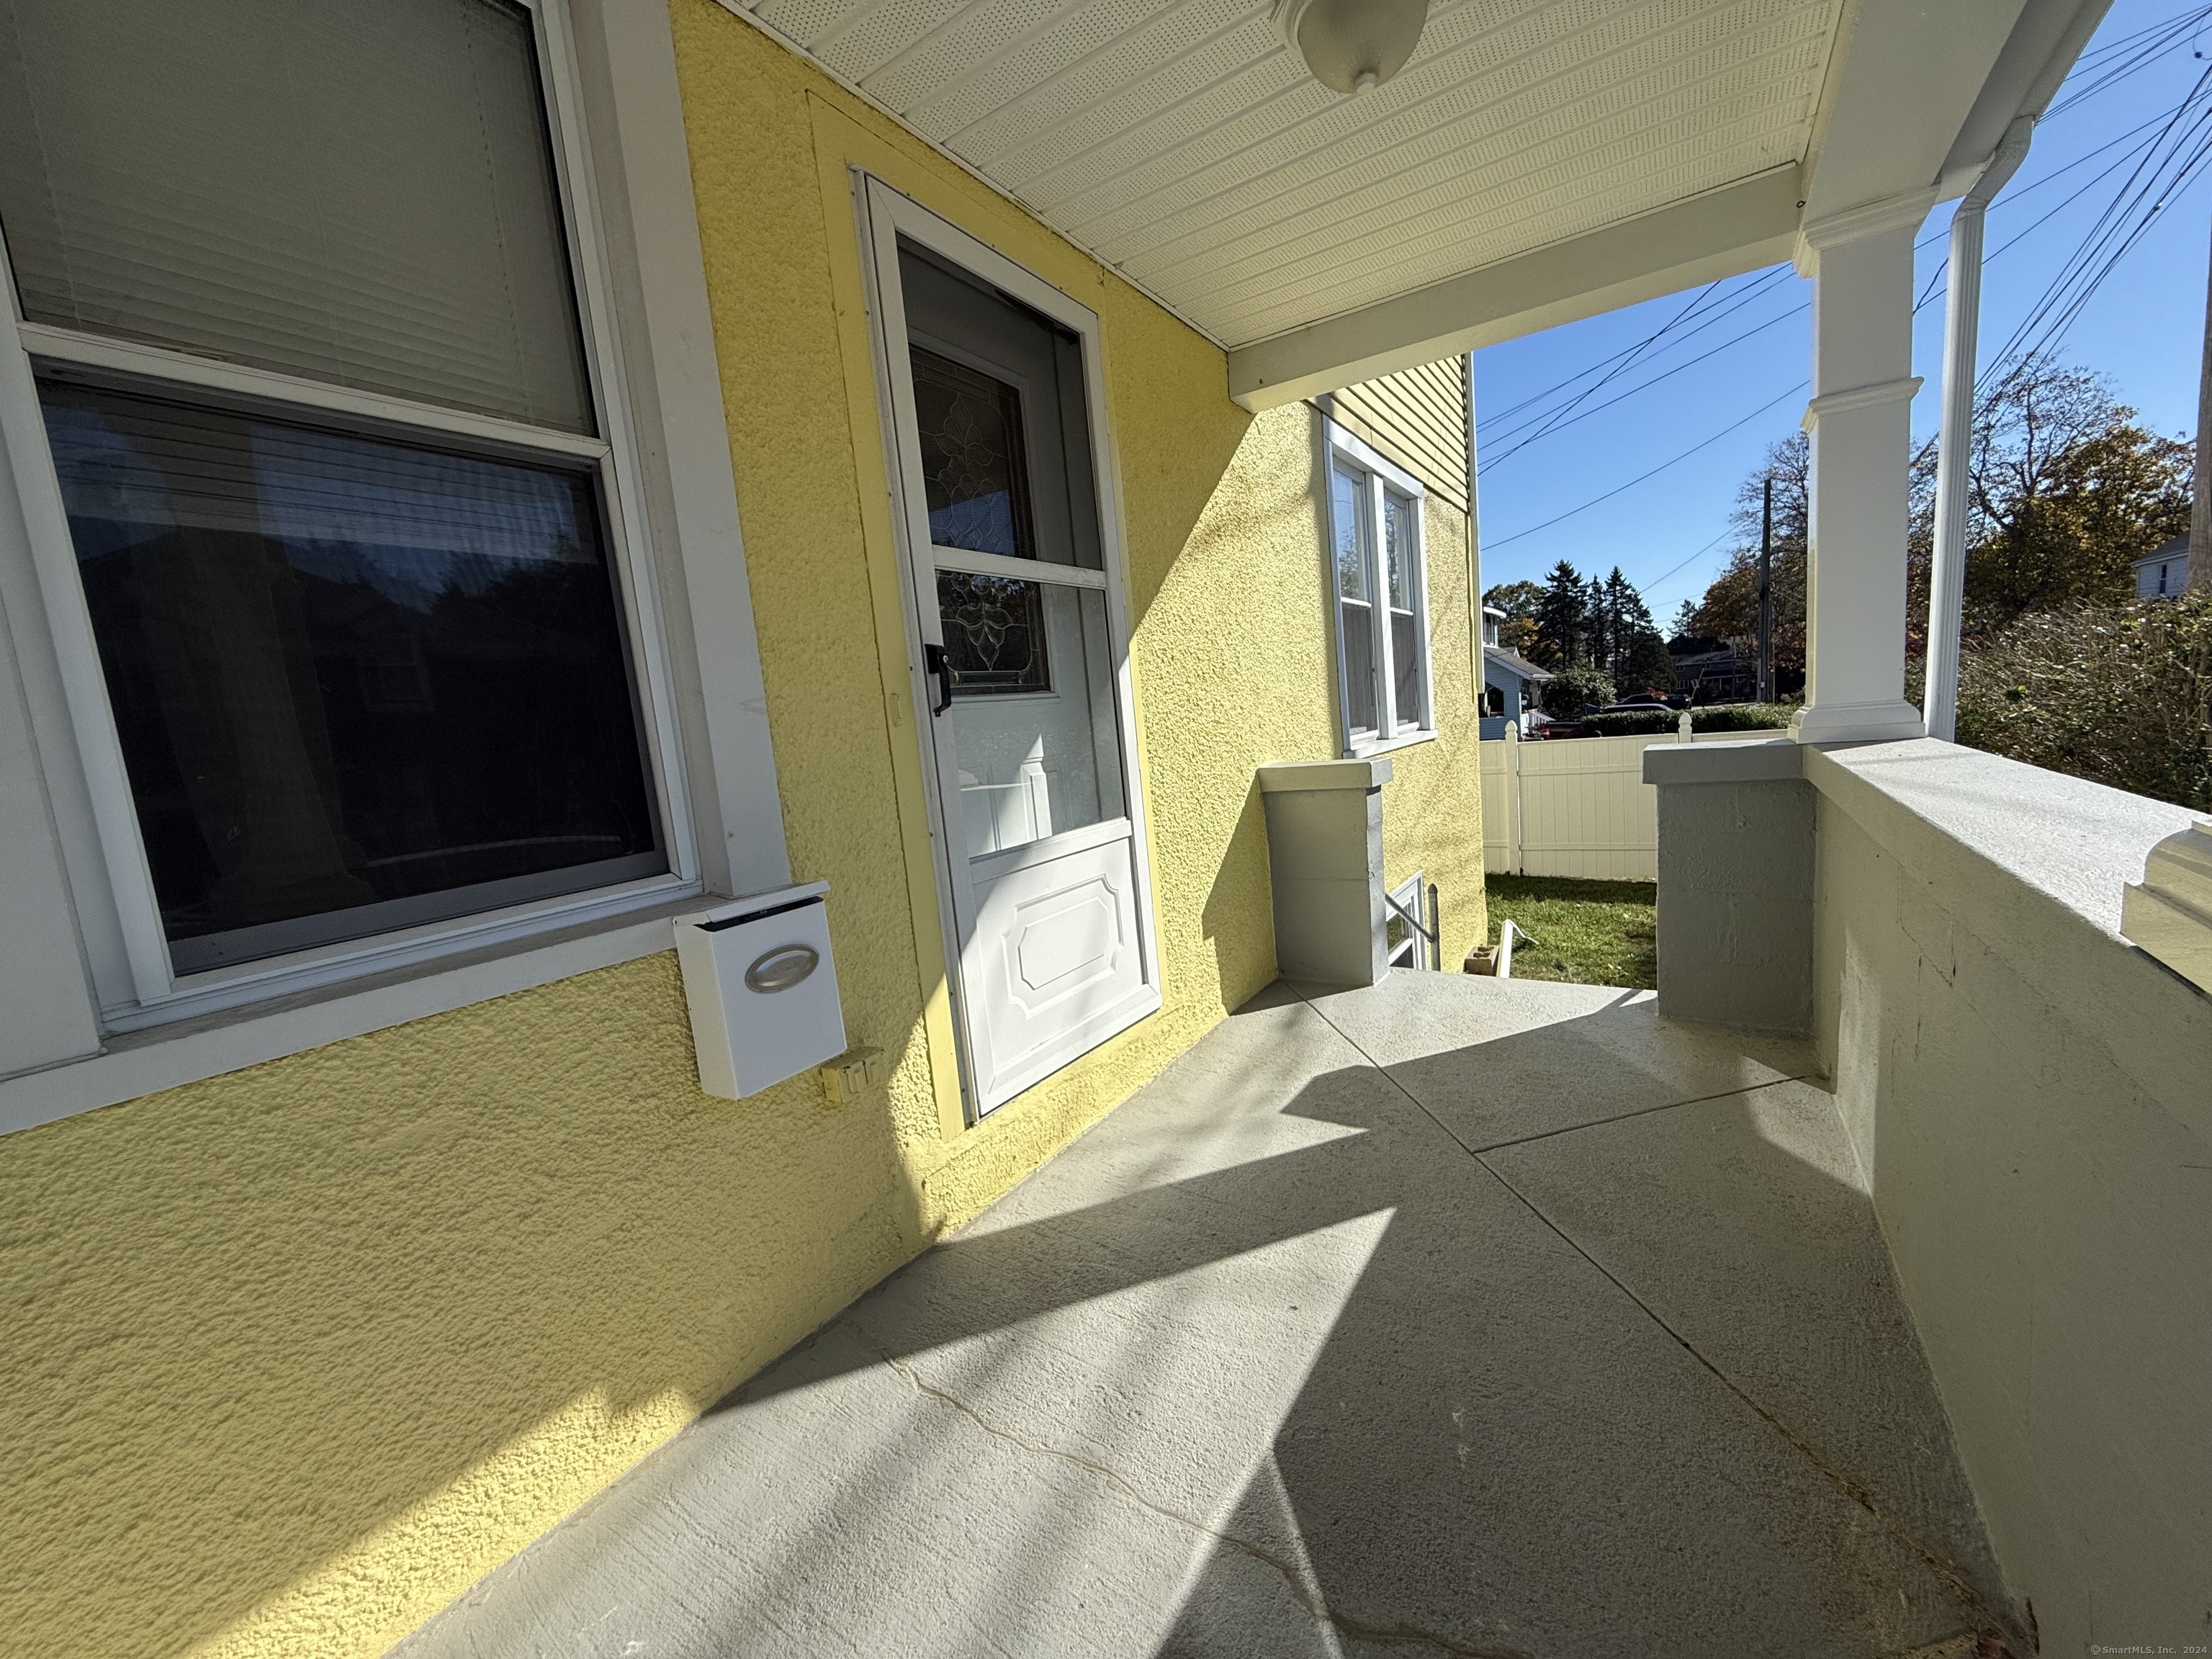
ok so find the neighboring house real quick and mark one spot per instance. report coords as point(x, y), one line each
point(1708, 670)
point(1511, 681)
point(483, 479)
point(2164, 570)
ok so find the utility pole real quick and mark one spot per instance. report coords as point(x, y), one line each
point(1766, 594)
point(2200, 509)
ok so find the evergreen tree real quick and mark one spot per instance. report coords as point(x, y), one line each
point(1562, 620)
point(1602, 634)
point(1635, 656)
point(1647, 665)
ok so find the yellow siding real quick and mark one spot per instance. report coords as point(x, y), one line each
point(1418, 419)
point(297, 1354)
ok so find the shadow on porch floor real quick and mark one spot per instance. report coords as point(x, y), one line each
point(1454, 1315)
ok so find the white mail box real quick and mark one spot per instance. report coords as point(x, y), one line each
point(761, 988)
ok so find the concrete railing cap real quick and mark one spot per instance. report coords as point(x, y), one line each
point(1757, 760)
point(2169, 911)
point(1285, 776)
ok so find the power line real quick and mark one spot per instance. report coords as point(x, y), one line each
point(1622, 357)
point(2118, 229)
point(1644, 592)
point(2013, 198)
point(1767, 279)
point(1729, 305)
point(2134, 53)
point(2140, 48)
point(1934, 287)
point(2171, 162)
point(1645, 386)
point(1518, 435)
point(1640, 477)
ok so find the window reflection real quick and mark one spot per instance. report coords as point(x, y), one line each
point(973, 474)
point(354, 680)
point(1356, 617)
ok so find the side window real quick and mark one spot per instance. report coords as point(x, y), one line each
point(306, 330)
point(1380, 599)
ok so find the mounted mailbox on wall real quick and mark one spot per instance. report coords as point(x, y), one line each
point(761, 988)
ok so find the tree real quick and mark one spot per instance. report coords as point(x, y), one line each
point(1575, 689)
point(2064, 490)
point(1647, 665)
point(1562, 620)
point(1599, 624)
point(1519, 601)
point(1625, 642)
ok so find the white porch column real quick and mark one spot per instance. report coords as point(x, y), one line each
point(1861, 422)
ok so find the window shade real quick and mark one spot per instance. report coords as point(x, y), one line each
point(359, 192)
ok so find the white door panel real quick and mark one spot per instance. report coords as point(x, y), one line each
point(1055, 964)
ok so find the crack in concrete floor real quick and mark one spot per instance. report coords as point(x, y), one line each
point(1275, 1548)
point(1993, 1637)
point(1309, 1597)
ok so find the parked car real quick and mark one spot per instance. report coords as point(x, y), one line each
point(1630, 705)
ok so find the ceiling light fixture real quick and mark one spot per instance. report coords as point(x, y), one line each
point(1353, 44)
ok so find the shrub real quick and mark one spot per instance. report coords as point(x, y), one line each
point(1742, 717)
point(1720, 717)
point(1573, 690)
point(2119, 694)
point(1630, 723)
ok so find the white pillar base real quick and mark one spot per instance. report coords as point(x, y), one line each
point(1857, 722)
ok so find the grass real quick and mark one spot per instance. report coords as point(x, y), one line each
point(1586, 933)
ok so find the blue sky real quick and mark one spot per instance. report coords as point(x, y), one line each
point(2142, 330)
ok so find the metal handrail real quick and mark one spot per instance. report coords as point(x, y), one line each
point(1433, 932)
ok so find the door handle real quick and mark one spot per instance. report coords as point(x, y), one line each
point(933, 662)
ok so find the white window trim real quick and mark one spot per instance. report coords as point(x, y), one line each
point(84, 887)
point(1383, 474)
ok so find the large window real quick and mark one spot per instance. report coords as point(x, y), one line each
point(1382, 617)
point(301, 299)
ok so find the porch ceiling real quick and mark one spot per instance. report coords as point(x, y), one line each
point(1536, 160)
point(1186, 146)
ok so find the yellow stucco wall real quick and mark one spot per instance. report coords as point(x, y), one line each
point(295, 1354)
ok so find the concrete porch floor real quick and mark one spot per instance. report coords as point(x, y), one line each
point(1452, 1315)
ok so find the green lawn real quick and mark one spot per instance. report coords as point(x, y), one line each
point(1587, 932)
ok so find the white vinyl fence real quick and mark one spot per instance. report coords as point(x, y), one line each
point(1574, 806)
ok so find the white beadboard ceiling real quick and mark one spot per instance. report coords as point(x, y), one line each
point(1180, 142)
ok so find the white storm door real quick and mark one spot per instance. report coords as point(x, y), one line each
point(1013, 591)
